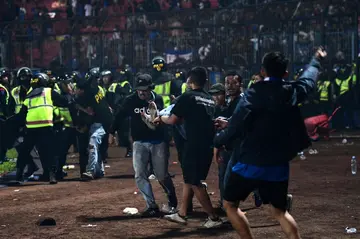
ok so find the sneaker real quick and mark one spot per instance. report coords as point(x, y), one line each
point(152, 177)
point(168, 209)
point(289, 199)
point(151, 212)
point(209, 223)
point(176, 218)
point(257, 199)
point(88, 175)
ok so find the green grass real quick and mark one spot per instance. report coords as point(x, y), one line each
point(6, 167)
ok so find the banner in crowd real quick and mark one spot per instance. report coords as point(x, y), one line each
point(178, 56)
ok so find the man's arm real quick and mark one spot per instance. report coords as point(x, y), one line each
point(177, 113)
point(60, 100)
point(172, 119)
point(236, 124)
point(307, 81)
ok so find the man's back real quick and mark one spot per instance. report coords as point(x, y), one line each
point(274, 128)
point(197, 108)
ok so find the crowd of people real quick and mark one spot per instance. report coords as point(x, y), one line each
point(252, 134)
point(224, 37)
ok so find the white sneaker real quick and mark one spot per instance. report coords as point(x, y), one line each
point(175, 218)
point(168, 210)
point(152, 177)
point(209, 223)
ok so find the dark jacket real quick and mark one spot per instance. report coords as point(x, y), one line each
point(270, 121)
point(132, 107)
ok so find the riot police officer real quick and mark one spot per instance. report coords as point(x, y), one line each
point(165, 83)
point(38, 113)
point(5, 109)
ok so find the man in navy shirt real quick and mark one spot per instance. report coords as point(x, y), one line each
point(272, 132)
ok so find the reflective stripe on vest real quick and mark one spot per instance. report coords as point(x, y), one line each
point(323, 89)
point(40, 110)
point(103, 91)
point(7, 97)
point(122, 84)
point(345, 84)
point(164, 91)
point(57, 88)
point(66, 116)
point(113, 86)
point(183, 87)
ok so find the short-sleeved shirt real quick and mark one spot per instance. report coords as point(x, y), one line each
point(197, 109)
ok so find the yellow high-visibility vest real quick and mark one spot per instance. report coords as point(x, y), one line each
point(183, 88)
point(113, 86)
point(16, 95)
point(345, 84)
point(164, 91)
point(40, 110)
point(323, 89)
point(57, 88)
point(58, 117)
point(66, 116)
point(7, 98)
point(103, 91)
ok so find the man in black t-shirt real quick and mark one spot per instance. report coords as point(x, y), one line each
point(196, 108)
point(149, 144)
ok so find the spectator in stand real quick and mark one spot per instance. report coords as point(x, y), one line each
point(88, 9)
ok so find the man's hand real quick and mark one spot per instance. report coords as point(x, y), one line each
point(172, 98)
point(217, 158)
point(221, 123)
point(157, 120)
point(320, 53)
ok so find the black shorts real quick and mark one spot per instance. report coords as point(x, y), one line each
point(238, 188)
point(195, 164)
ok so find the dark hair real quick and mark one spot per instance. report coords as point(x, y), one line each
point(275, 64)
point(198, 76)
point(234, 73)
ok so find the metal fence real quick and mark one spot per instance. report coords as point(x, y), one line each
point(234, 38)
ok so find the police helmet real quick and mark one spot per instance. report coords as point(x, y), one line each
point(4, 71)
point(66, 78)
point(40, 80)
point(23, 76)
point(93, 74)
point(159, 64)
point(106, 73)
point(180, 75)
point(76, 76)
point(24, 73)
